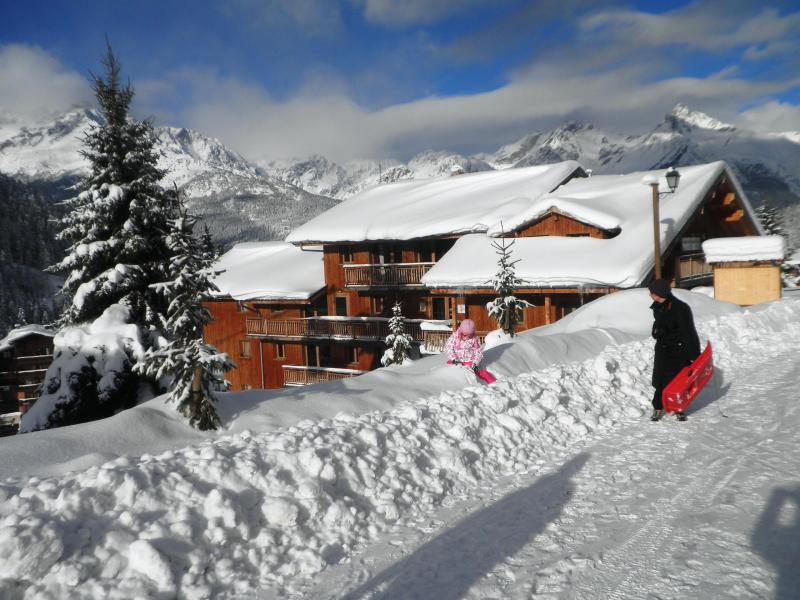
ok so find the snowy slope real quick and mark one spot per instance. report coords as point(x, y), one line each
point(548, 482)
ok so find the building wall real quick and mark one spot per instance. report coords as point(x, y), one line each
point(22, 370)
point(747, 284)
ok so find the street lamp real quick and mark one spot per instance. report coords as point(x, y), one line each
point(673, 177)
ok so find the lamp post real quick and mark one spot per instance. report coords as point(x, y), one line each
point(673, 177)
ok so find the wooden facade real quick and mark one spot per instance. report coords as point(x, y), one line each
point(747, 283)
point(23, 365)
point(340, 332)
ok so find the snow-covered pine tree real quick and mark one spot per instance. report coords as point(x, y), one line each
point(196, 369)
point(506, 309)
point(772, 222)
point(116, 231)
point(116, 222)
point(398, 342)
point(770, 219)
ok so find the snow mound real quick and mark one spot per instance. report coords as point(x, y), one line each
point(262, 513)
point(748, 248)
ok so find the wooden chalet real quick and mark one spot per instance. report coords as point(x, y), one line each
point(25, 354)
point(428, 245)
point(595, 236)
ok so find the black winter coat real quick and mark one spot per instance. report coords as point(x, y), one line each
point(676, 338)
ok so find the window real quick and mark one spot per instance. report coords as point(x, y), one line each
point(439, 308)
point(347, 254)
point(246, 386)
point(340, 303)
point(423, 306)
point(691, 244)
point(280, 351)
point(244, 348)
point(378, 305)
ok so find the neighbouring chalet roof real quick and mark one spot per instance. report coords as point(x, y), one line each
point(19, 333)
point(269, 271)
point(621, 261)
point(468, 203)
point(745, 249)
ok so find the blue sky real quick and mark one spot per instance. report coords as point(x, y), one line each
point(388, 78)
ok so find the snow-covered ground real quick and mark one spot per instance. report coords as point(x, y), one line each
point(416, 482)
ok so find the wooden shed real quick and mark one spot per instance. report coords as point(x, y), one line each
point(747, 270)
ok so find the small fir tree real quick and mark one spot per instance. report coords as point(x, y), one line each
point(506, 309)
point(196, 368)
point(398, 341)
point(21, 319)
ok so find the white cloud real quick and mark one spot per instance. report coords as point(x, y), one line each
point(34, 85)
point(405, 13)
point(330, 123)
point(772, 116)
point(699, 25)
point(297, 18)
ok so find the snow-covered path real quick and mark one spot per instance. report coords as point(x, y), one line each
point(709, 508)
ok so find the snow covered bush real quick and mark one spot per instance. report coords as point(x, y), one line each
point(398, 341)
point(90, 376)
point(506, 309)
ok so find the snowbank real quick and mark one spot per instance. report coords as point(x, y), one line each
point(261, 513)
point(749, 248)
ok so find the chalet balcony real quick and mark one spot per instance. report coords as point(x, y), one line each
point(371, 329)
point(433, 341)
point(692, 268)
point(294, 376)
point(389, 275)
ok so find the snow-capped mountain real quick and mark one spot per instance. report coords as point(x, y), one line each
point(767, 164)
point(238, 200)
point(319, 175)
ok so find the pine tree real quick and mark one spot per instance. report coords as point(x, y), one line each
point(773, 223)
point(196, 368)
point(506, 309)
point(398, 341)
point(115, 223)
point(116, 230)
point(21, 320)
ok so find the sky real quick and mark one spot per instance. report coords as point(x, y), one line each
point(389, 78)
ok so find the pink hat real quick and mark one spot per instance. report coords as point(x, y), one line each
point(467, 327)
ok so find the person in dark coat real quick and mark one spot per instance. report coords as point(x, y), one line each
point(677, 344)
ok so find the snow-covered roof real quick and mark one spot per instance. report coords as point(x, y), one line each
point(269, 271)
point(749, 248)
point(22, 332)
point(468, 203)
point(603, 200)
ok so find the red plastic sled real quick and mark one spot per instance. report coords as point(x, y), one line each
point(680, 392)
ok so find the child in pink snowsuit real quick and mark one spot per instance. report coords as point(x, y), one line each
point(464, 348)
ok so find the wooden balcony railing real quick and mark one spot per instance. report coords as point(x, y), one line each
point(692, 266)
point(334, 328)
point(386, 275)
point(298, 375)
point(434, 341)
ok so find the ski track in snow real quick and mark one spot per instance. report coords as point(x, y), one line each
point(550, 484)
point(654, 503)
